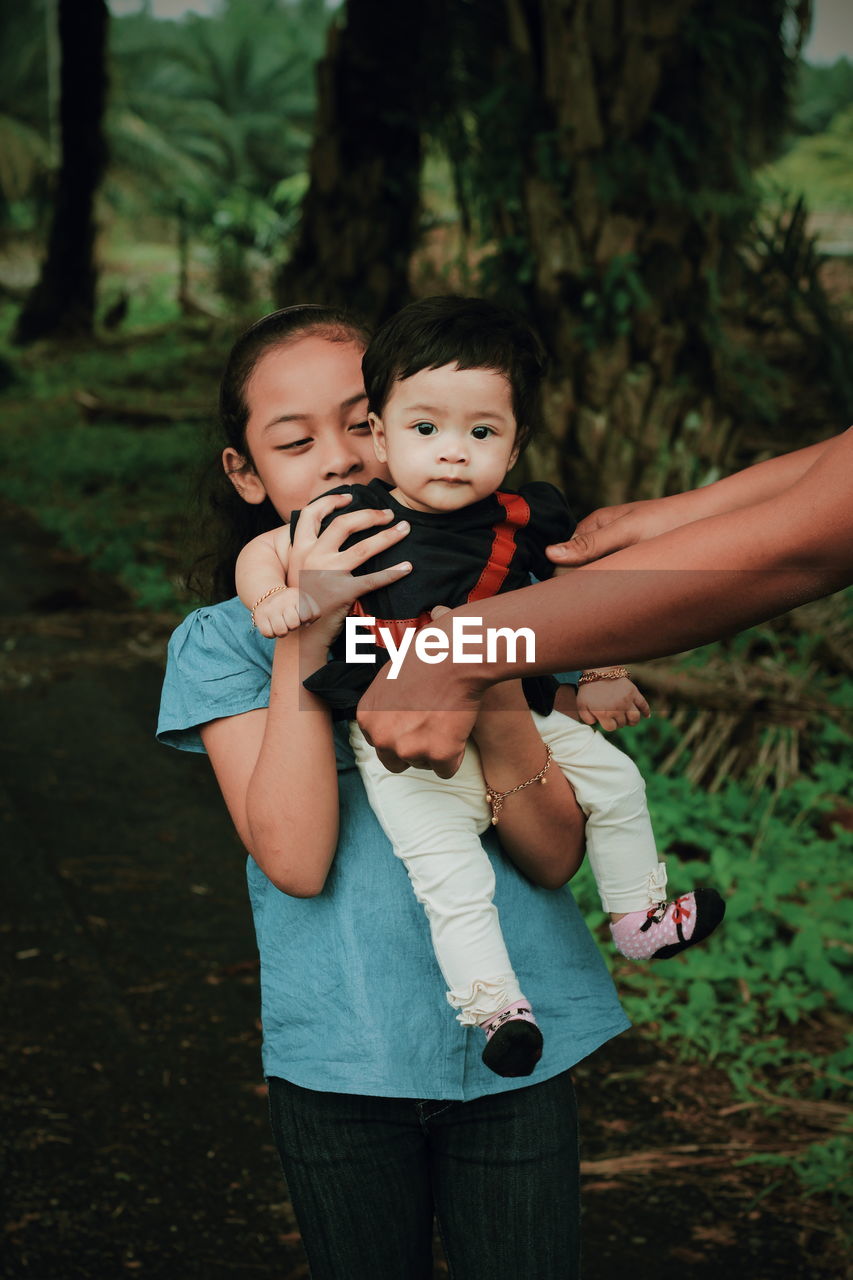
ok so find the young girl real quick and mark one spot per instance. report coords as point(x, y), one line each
point(382, 1116)
point(452, 386)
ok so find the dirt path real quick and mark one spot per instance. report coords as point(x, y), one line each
point(133, 1112)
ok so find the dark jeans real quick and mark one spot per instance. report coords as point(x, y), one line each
point(367, 1175)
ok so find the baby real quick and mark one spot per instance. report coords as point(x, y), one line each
point(453, 387)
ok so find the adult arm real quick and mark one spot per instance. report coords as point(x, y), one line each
point(687, 587)
point(611, 528)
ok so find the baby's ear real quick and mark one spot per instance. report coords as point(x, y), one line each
point(243, 476)
point(378, 432)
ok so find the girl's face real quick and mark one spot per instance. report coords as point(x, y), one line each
point(307, 429)
point(448, 436)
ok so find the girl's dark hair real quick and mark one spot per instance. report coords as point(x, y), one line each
point(228, 522)
point(469, 332)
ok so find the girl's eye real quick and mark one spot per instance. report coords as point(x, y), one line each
point(293, 444)
point(360, 426)
point(482, 433)
point(425, 428)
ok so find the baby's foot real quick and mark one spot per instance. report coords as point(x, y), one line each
point(670, 927)
point(513, 1040)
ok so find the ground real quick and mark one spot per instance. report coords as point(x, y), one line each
point(133, 1110)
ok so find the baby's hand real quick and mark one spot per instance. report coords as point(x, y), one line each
point(286, 610)
point(611, 703)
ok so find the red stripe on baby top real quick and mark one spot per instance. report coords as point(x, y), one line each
point(516, 516)
point(396, 627)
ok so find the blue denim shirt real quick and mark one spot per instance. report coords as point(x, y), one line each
point(352, 999)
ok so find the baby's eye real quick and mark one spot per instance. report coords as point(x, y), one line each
point(360, 426)
point(425, 428)
point(482, 433)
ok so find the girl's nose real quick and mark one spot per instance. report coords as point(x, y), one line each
point(342, 460)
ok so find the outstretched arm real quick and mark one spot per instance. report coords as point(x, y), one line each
point(687, 587)
point(611, 528)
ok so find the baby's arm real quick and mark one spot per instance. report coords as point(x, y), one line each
point(261, 576)
point(611, 702)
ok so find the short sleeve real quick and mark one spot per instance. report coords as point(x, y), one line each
point(216, 666)
point(551, 521)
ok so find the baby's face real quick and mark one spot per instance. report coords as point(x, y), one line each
point(448, 436)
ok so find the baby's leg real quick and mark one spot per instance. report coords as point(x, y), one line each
point(621, 847)
point(434, 825)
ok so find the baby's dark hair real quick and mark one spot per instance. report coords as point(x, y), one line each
point(228, 522)
point(472, 333)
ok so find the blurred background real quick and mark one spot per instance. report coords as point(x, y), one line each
point(666, 190)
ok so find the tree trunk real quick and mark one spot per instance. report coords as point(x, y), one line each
point(63, 300)
point(360, 215)
point(620, 282)
point(615, 153)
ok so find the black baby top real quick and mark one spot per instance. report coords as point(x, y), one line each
point(458, 557)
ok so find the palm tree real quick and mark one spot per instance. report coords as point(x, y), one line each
point(222, 103)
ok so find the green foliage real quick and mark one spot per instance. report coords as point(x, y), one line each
point(210, 122)
point(245, 228)
point(232, 95)
point(824, 1168)
point(819, 166)
point(609, 301)
point(752, 997)
point(821, 93)
point(116, 493)
point(25, 151)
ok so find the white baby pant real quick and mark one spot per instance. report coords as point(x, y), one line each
point(435, 826)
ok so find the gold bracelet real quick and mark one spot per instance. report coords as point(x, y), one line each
point(272, 591)
point(496, 798)
point(618, 673)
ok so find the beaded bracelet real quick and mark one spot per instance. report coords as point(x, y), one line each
point(618, 673)
point(272, 591)
point(496, 798)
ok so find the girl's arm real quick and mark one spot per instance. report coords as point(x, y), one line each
point(611, 528)
point(276, 769)
point(540, 828)
point(276, 765)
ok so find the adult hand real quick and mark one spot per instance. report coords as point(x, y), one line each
point(611, 528)
point(423, 719)
point(428, 739)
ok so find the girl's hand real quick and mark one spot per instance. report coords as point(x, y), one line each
point(611, 703)
point(323, 573)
